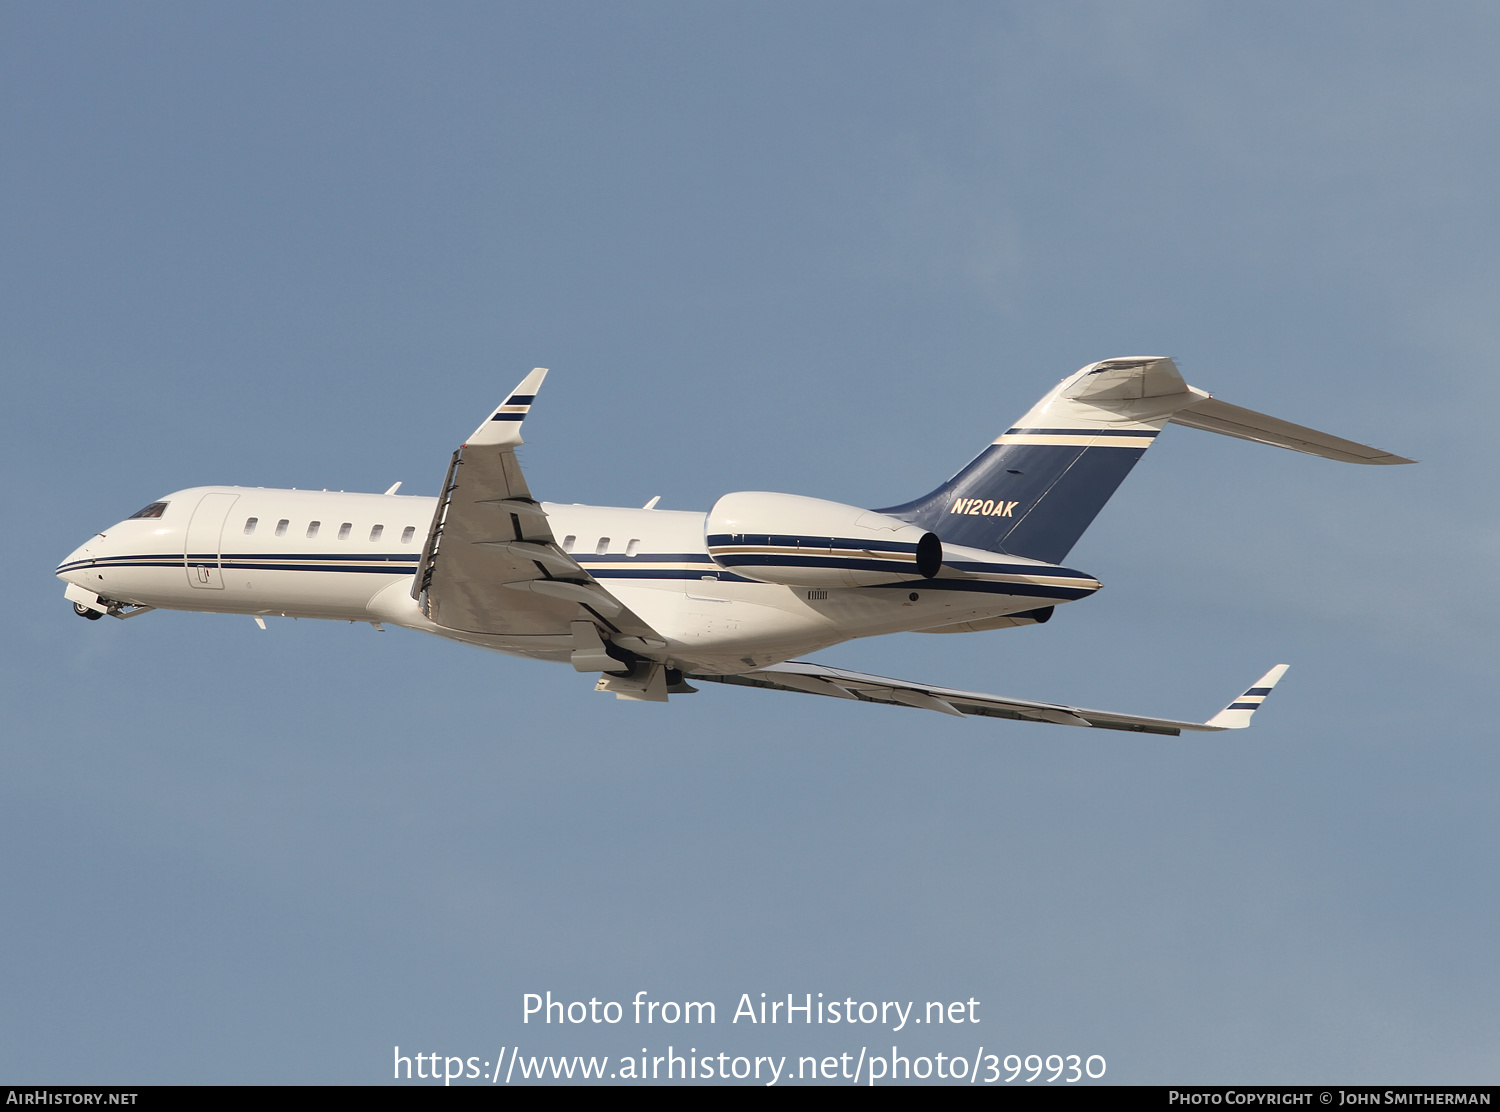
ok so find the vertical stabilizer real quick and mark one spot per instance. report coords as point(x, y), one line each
point(1043, 481)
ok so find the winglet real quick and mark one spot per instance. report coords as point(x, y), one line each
point(1236, 716)
point(502, 428)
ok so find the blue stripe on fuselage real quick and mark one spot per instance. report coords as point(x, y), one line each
point(403, 564)
point(799, 540)
point(786, 560)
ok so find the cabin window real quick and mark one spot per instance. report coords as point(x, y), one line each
point(344, 530)
point(633, 547)
point(602, 547)
point(281, 527)
point(156, 509)
point(250, 523)
point(375, 531)
point(312, 529)
point(408, 533)
point(568, 542)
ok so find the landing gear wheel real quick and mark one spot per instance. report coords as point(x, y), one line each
point(84, 612)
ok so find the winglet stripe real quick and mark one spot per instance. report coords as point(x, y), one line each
point(1236, 716)
point(502, 428)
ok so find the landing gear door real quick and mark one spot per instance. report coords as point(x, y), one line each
point(202, 548)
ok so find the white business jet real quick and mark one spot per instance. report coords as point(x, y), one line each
point(648, 599)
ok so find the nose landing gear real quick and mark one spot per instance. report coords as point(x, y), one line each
point(111, 607)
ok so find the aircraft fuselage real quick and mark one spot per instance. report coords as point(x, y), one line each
point(352, 557)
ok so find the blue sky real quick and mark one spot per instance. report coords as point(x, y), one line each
point(828, 249)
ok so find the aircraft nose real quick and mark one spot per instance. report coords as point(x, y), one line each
point(75, 567)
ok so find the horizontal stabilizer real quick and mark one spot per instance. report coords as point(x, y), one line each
point(1212, 415)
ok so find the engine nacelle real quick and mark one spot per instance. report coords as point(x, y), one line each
point(808, 542)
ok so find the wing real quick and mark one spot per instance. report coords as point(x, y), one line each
point(491, 564)
point(800, 675)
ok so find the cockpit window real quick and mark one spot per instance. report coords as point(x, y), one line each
point(156, 509)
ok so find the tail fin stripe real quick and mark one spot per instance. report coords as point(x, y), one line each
point(1018, 431)
point(1079, 440)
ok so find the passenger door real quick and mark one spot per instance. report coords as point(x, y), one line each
point(201, 555)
